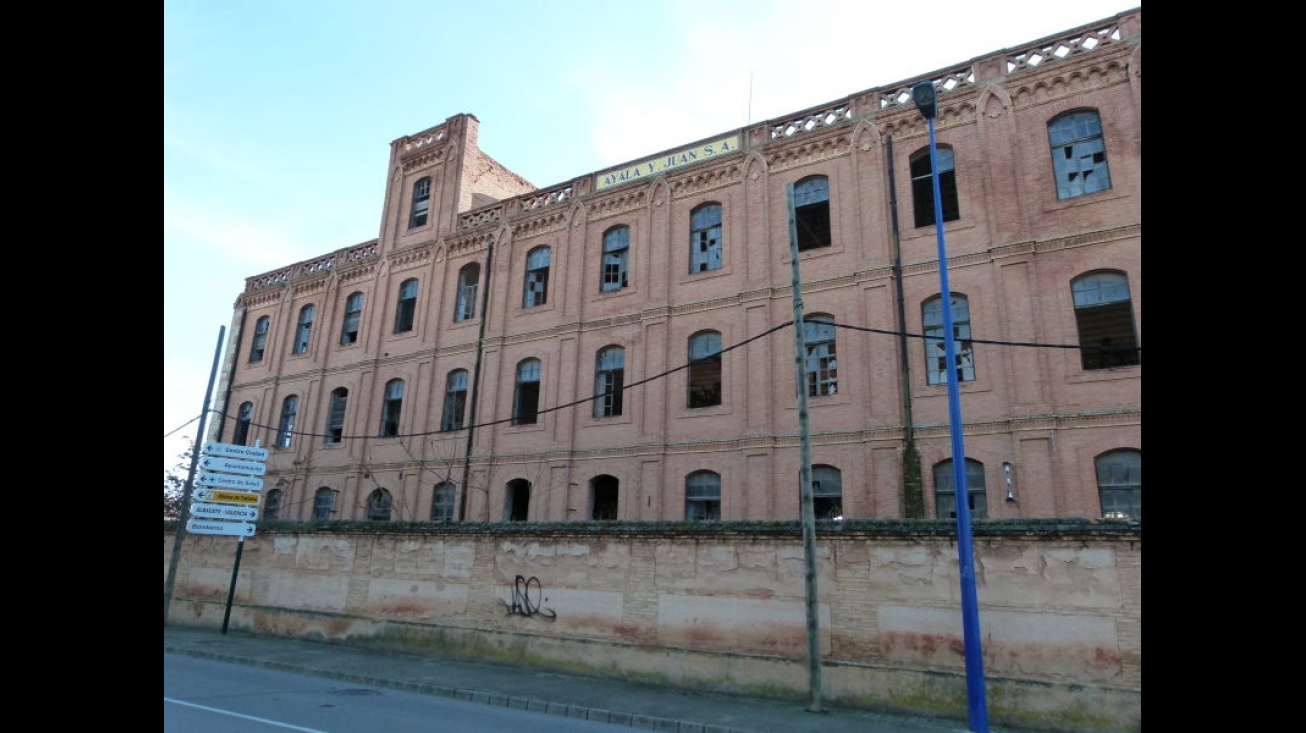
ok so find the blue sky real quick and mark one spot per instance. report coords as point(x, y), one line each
point(278, 114)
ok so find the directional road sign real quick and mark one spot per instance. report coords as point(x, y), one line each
point(230, 465)
point(228, 497)
point(227, 450)
point(201, 510)
point(203, 526)
point(229, 481)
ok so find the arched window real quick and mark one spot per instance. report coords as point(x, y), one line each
point(286, 430)
point(537, 277)
point(703, 496)
point(324, 504)
point(421, 202)
point(260, 341)
point(517, 501)
point(526, 397)
point(272, 504)
point(353, 316)
point(922, 186)
point(442, 502)
point(244, 416)
point(609, 381)
point(336, 416)
point(616, 259)
point(1078, 154)
point(945, 490)
point(406, 310)
point(1104, 316)
point(305, 329)
point(827, 492)
point(936, 354)
point(1120, 483)
point(603, 497)
point(705, 238)
point(705, 369)
point(822, 367)
point(468, 279)
point(811, 212)
point(379, 506)
point(455, 400)
point(391, 407)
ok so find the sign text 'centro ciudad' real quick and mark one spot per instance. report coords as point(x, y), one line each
point(663, 163)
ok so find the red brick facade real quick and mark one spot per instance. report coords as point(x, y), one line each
point(1030, 401)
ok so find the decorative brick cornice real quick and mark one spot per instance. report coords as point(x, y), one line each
point(627, 199)
point(410, 258)
point(551, 221)
point(700, 182)
point(309, 287)
point(470, 243)
point(1052, 87)
point(806, 152)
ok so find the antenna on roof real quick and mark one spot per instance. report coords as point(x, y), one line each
point(750, 97)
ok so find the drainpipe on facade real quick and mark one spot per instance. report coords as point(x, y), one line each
point(476, 385)
point(913, 495)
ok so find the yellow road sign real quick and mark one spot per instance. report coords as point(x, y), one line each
point(228, 497)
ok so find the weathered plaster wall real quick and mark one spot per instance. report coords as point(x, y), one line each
point(1060, 608)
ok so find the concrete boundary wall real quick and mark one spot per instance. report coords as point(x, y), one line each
point(721, 607)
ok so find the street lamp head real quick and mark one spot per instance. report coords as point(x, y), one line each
point(924, 95)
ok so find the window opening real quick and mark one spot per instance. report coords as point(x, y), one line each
point(936, 347)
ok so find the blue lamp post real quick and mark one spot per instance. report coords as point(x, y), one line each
point(925, 97)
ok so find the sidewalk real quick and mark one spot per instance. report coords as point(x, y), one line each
point(621, 702)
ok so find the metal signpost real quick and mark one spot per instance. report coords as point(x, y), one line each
point(228, 502)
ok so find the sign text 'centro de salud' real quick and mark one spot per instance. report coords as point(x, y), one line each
point(661, 164)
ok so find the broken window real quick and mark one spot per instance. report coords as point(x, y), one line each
point(945, 490)
point(922, 186)
point(336, 416)
point(526, 398)
point(822, 367)
point(705, 238)
point(1104, 316)
point(391, 406)
point(455, 400)
point(379, 506)
point(304, 330)
point(703, 496)
point(353, 315)
point(286, 430)
point(616, 262)
point(260, 341)
point(705, 369)
point(810, 213)
point(468, 279)
point(1079, 154)
point(537, 277)
point(406, 311)
point(1120, 483)
point(421, 202)
point(609, 381)
point(936, 355)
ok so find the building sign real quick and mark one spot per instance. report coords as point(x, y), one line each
point(667, 162)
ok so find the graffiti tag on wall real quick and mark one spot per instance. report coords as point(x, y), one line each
point(527, 595)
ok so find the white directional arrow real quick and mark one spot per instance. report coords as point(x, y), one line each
point(202, 526)
point(222, 511)
point(229, 481)
point(228, 450)
point(228, 465)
